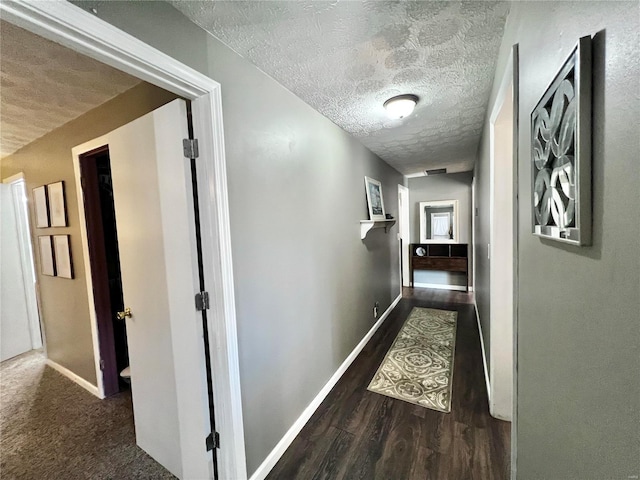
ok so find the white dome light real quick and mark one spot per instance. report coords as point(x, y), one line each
point(400, 106)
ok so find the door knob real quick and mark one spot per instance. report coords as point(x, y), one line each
point(123, 315)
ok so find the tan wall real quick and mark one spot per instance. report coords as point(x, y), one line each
point(64, 303)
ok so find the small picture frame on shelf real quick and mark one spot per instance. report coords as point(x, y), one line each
point(64, 267)
point(47, 266)
point(57, 206)
point(41, 206)
point(375, 202)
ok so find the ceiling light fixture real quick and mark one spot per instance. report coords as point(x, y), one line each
point(400, 106)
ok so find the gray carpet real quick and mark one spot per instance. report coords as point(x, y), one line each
point(51, 428)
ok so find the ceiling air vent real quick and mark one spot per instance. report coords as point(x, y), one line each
point(436, 171)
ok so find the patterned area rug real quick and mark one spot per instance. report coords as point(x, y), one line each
point(418, 368)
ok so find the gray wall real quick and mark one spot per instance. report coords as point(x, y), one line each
point(578, 359)
point(305, 282)
point(452, 186)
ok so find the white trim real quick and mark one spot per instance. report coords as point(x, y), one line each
point(473, 230)
point(215, 228)
point(75, 155)
point(484, 356)
point(88, 386)
point(440, 286)
point(72, 27)
point(14, 178)
point(273, 457)
point(515, 70)
point(505, 85)
point(69, 25)
point(500, 270)
point(404, 223)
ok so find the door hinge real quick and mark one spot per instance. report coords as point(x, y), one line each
point(213, 441)
point(101, 364)
point(202, 301)
point(190, 147)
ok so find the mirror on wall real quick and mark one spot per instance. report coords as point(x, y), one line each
point(439, 221)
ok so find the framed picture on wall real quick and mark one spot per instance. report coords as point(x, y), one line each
point(62, 250)
point(561, 153)
point(375, 202)
point(47, 267)
point(41, 206)
point(57, 207)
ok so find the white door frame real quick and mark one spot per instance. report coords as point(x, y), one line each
point(69, 25)
point(500, 250)
point(404, 233)
point(509, 85)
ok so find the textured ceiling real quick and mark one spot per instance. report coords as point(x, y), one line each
point(345, 58)
point(45, 85)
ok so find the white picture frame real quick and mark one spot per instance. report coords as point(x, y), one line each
point(62, 249)
point(57, 206)
point(41, 207)
point(47, 265)
point(375, 200)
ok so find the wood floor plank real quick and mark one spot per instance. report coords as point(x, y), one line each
point(330, 464)
point(357, 434)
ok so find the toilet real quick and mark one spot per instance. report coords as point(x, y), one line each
point(126, 374)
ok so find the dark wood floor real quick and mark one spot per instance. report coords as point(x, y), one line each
point(357, 434)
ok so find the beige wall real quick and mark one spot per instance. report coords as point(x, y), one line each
point(64, 303)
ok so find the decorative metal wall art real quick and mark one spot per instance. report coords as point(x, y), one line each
point(561, 153)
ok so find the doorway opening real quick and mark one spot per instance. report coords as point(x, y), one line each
point(82, 31)
point(102, 237)
point(20, 319)
point(503, 250)
point(501, 255)
point(403, 217)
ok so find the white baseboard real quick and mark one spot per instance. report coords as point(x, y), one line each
point(458, 288)
point(79, 380)
point(273, 457)
point(484, 354)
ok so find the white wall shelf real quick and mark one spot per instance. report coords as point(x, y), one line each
point(367, 225)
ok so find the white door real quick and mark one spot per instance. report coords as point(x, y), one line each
point(29, 279)
point(403, 213)
point(156, 240)
point(15, 335)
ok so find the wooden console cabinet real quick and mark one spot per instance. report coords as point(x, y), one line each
point(448, 257)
